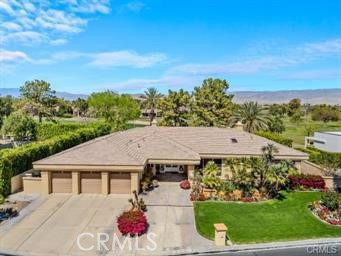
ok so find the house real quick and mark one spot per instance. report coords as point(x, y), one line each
point(115, 163)
point(326, 141)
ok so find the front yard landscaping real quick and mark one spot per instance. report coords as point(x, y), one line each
point(275, 220)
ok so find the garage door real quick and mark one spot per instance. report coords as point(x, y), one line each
point(120, 183)
point(91, 182)
point(61, 182)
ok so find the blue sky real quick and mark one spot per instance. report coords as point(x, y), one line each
point(83, 46)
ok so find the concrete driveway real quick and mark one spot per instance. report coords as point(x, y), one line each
point(55, 225)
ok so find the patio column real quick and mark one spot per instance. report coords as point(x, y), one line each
point(105, 183)
point(46, 182)
point(75, 182)
point(190, 172)
point(134, 182)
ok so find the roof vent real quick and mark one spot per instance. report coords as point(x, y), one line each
point(234, 140)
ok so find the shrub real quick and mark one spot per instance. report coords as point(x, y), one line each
point(306, 181)
point(185, 184)
point(330, 200)
point(49, 130)
point(133, 223)
point(17, 160)
point(210, 177)
point(275, 137)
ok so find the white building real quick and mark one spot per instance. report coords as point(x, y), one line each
point(326, 141)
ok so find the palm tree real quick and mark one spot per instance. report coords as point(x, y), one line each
point(152, 97)
point(252, 116)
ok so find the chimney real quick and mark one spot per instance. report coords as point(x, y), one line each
point(154, 123)
point(239, 126)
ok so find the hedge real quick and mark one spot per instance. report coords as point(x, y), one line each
point(49, 130)
point(321, 157)
point(275, 137)
point(18, 160)
point(306, 181)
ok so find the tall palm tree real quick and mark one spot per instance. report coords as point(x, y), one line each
point(152, 97)
point(253, 117)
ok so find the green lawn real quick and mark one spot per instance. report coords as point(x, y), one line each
point(297, 131)
point(275, 220)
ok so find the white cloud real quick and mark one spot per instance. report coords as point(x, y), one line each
point(4, 5)
point(26, 37)
point(134, 6)
point(288, 57)
point(127, 59)
point(53, 20)
point(313, 75)
point(12, 56)
point(11, 26)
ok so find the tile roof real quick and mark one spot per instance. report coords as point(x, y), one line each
point(137, 146)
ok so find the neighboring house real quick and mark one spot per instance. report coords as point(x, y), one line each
point(326, 141)
point(115, 163)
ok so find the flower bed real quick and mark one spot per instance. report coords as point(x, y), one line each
point(322, 212)
point(185, 184)
point(306, 181)
point(132, 222)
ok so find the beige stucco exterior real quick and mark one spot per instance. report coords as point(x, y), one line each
point(32, 185)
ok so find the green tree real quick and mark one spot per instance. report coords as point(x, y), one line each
point(6, 105)
point(80, 106)
point(19, 125)
point(325, 113)
point(39, 97)
point(296, 117)
point(277, 176)
point(152, 98)
point(276, 124)
point(277, 110)
point(114, 108)
point(175, 108)
point(211, 105)
point(294, 106)
point(253, 117)
point(210, 176)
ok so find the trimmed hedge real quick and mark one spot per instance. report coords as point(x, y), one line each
point(17, 160)
point(275, 137)
point(307, 181)
point(321, 157)
point(49, 130)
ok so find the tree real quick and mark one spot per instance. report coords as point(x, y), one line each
point(294, 106)
point(210, 176)
point(114, 108)
point(325, 113)
point(20, 126)
point(252, 116)
point(6, 105)
point(276, 124)
point(175, 108)
point(39, 97)
point(152, 97)
point(296, 117)
point(277, 110)
point(80, 106)
point(211, 105)
point(277, 176)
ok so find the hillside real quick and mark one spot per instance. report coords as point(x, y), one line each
point(319, 96)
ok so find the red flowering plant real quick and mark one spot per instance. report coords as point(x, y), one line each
point(185, 184)
point(328, 208)
point(133, 223)
point(306, 181)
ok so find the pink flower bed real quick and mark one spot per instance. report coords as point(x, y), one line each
point(325, 214)
point(185, 184)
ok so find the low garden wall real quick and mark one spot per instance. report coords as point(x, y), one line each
point(308, 167)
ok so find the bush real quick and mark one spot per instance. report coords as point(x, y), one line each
point(49, 130)
point(185, 184)
point(17, 160)
point(132, 223)
point(21, 126)
point(330, 200)
point(307, 181)
point(275, 137)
